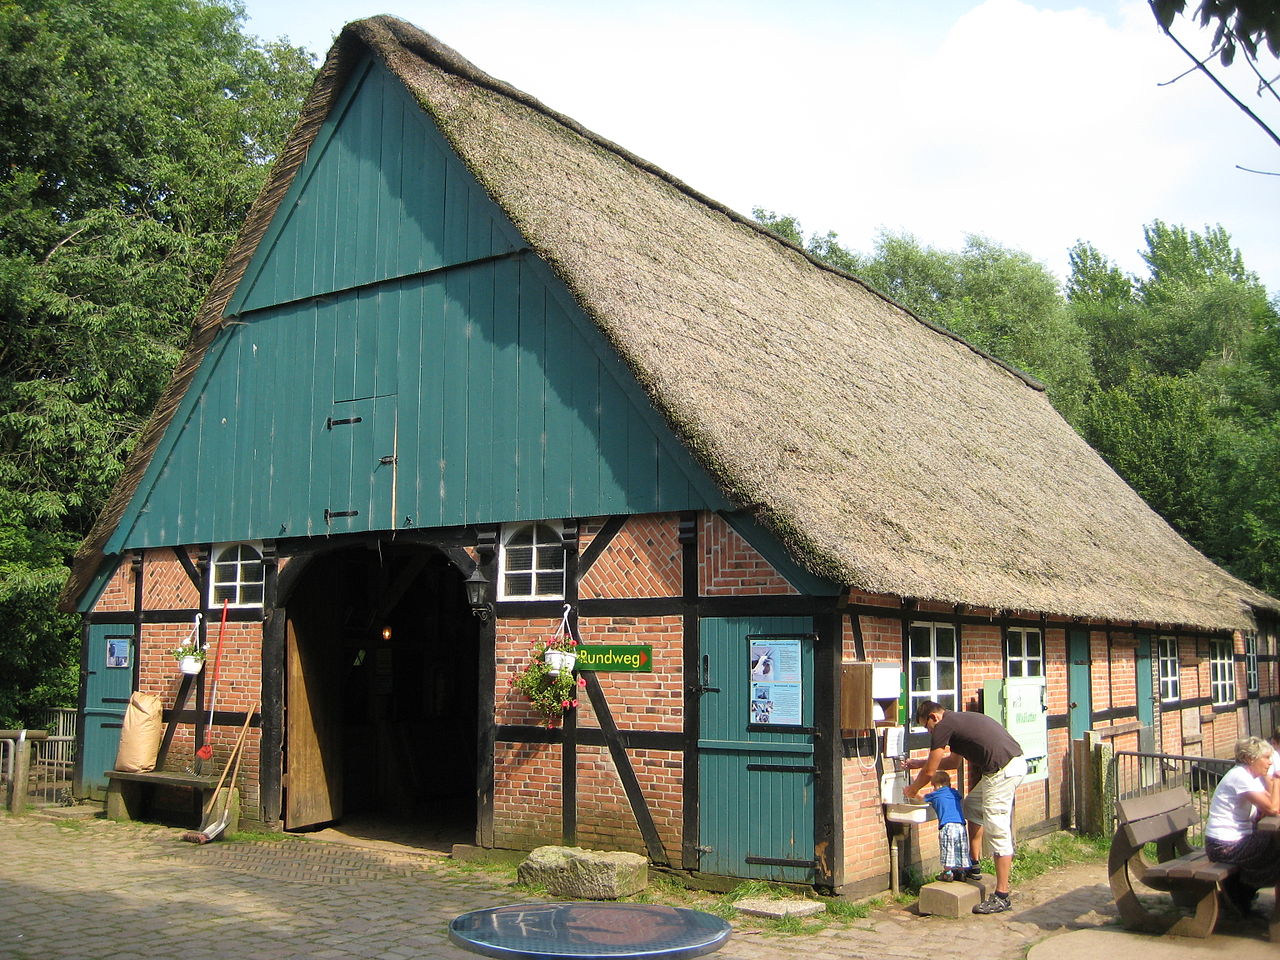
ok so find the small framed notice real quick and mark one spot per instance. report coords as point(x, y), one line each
point(118, 651)
point(776, 680)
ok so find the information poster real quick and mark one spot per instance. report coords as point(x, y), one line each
point(777, 681)
point(118, 651)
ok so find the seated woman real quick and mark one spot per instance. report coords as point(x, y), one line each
point(1245, 793)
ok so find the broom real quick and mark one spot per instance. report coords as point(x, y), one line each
point(209, 829)
point(206, 749)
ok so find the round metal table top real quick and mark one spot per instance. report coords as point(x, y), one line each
point(549, 931)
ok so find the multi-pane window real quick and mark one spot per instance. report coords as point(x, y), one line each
point(932, 665)
point(1251, 662)
point(1170, 678)
point(1023, 653)
point(1222, 672)
point(237, 576)
point(532, 563)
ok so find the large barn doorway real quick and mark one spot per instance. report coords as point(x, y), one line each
point(381, 697)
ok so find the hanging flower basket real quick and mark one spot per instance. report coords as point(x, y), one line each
point(189, 653)
point(559, 661)
point(547, 679)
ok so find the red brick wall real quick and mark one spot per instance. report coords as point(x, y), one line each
point(642, 560)
point(165, 584)
point(728, 565)
point(117, 596)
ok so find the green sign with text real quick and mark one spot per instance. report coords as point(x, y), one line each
point(615, 658)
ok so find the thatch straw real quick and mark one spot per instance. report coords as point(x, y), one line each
point(884, 453)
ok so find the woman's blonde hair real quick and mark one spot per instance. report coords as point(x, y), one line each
point(1251, 748)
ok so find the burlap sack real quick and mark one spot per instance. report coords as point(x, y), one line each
point(140, 737)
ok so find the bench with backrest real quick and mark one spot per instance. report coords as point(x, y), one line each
point(1187, 874)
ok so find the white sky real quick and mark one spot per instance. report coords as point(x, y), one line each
point(1034, 124)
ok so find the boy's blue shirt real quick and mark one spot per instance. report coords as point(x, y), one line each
point(946, 803)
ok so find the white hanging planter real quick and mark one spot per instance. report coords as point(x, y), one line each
point(190, 665)
point(559, 661)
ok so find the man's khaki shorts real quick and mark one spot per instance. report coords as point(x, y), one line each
point(990, 804)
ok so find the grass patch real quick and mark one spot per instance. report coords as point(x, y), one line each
point(260, 836)
point(847, 910)
point(1059, 850)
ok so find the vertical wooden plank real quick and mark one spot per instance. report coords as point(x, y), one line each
point(642, 464)
point(482, 415)
point(457, 190)
point(530, 400)
point(413, 366)
point(509, 277)
point(559, 419)
point(430, 434)
point(424, 193)
point(613, 446)
point(455, 384)
point(390, 240)
point(345, 347)
point(583, 429)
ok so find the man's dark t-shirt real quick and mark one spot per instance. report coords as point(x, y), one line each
point(977, 738)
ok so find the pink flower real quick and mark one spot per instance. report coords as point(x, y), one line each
point(564, 704)
point(582, 681)
point(573, 643)
point(575, 704)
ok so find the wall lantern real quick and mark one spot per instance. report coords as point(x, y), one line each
point(477, 585)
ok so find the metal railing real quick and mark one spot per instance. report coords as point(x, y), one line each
point(37, 763)
point(1133, 774)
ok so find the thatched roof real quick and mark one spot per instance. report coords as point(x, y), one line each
point(884, 453)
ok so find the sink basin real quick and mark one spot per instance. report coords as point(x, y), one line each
point(908, 812)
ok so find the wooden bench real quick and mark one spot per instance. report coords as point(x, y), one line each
point(1187, 874)
point(128, 796)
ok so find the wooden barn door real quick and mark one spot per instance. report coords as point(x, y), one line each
point(313, 759)
point(757, 779)
point(108, 682)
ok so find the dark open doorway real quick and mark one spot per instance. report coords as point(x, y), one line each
point(381, 695)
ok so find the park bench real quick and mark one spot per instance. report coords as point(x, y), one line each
point(128, 793)
point(1187, 874)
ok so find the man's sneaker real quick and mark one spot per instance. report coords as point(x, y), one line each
point(973, 873)
point(993, 904)
point(946, 876)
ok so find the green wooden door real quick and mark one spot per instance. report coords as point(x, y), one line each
point(108, 683)
point(359, 454)
point(1080, 697)
point(756, 760)
point(1145, 693)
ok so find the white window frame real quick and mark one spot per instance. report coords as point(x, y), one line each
point(1222, 673)
point(949, 697)
point(238, 584)
point(1015, 652)
point(1170, 670)
point(537, 567)
point(1251, 662)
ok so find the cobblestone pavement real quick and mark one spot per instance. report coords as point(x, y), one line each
point(96, 889)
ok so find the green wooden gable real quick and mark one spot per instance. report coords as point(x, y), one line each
point(398, 358)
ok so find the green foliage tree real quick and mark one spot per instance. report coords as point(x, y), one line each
point(1161, 434)
point(134, 134)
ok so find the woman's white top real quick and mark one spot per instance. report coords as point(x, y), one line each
point(1231, 813)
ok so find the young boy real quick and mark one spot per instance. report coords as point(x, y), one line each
point(953, 835)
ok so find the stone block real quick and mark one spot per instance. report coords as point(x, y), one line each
point(777, 909)
point(950, 899)
point(585, 874)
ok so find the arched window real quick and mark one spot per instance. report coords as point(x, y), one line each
point(237, 576)
point(531, 564)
